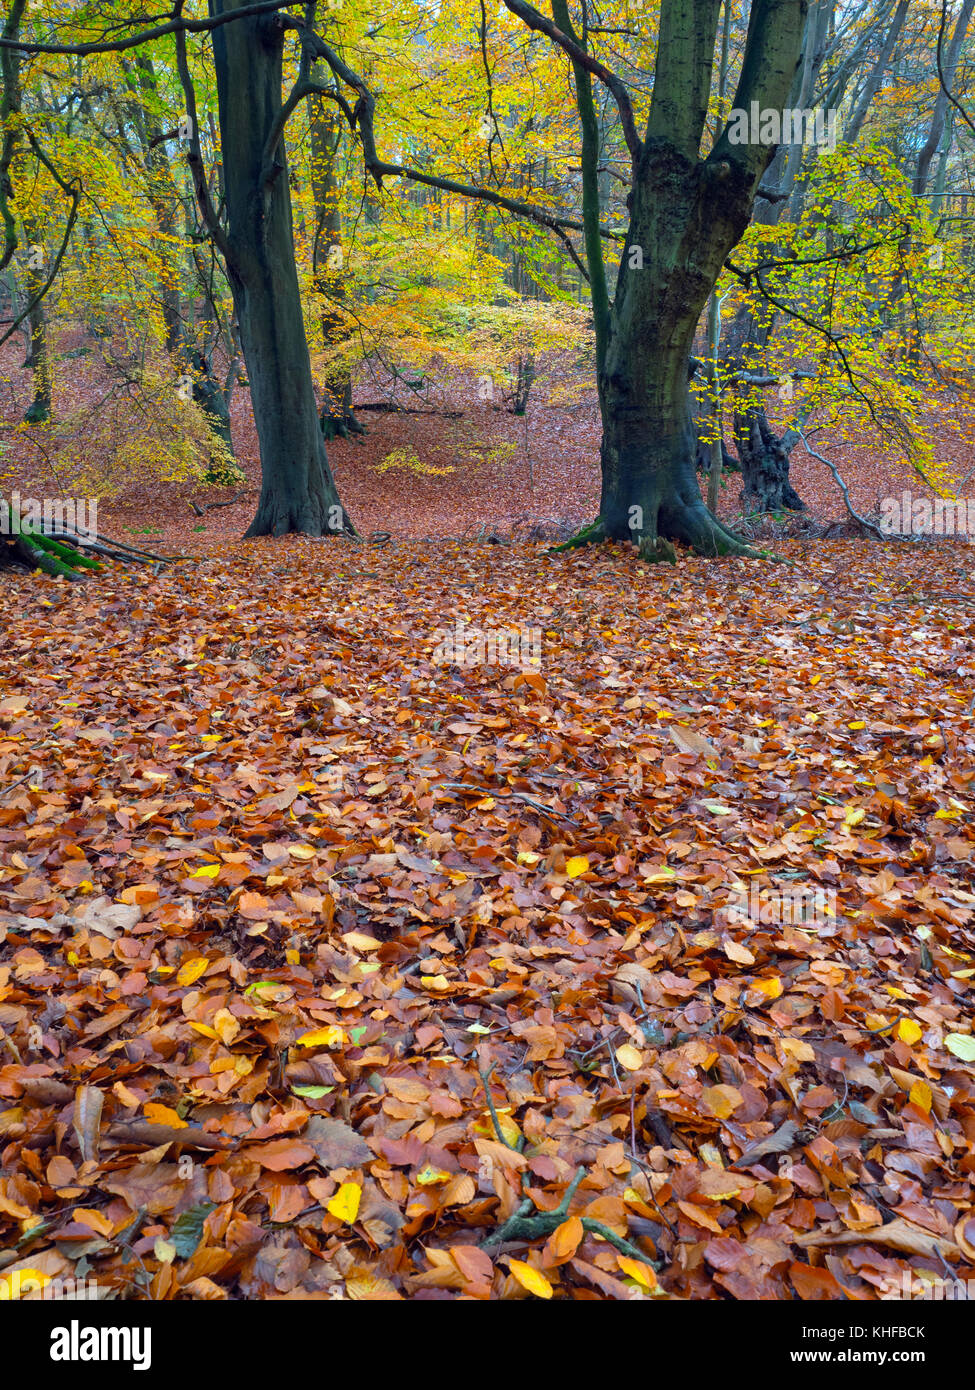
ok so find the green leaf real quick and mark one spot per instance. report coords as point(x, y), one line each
point(187, 1230)
point(312, 1092)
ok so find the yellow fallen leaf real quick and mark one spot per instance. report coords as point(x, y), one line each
point(434, 982)
point(203, 1028)
point(358, 941)
point(642, 1273)
point(345, 1204)
point(428, 1175)
point(575, 866)
point(191, 970)
point(908, 1031)
point(206, 871)
point(226, 1026)
point(629, 1057)
point(854, 816)
point(531, 1279)
point(771, 986)
point(527, 856)
point(323, 1037)
point(664, 875)
point(920, 1095)
point(509, 1128)
point(857, 724)
point(163, 1115)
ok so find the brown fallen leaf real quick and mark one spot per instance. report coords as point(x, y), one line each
point(280, 1155)
point(336, 1144)
point(898, 1234)
point(778, 1143)
point(87, 1118)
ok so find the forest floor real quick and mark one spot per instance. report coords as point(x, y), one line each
point(691, 897)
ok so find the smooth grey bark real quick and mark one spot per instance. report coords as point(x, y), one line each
point(686, 216)
point(298, 492)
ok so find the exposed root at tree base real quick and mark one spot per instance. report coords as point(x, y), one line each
point(704, 535)
point(591, 534)
point(658, 551)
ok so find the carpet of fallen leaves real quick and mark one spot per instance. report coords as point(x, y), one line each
point(281, 894)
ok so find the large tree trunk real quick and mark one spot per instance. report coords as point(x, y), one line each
point(298, 492)
point(686, 217)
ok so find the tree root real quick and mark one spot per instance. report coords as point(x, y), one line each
point(657, 551)
point(211, 506)
point(707, 537)
point(591, 534)
point(523, 1225)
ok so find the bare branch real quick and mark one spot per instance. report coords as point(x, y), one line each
point(194, 155)
point(72, 191)
point(617, 88)
point(176, 25)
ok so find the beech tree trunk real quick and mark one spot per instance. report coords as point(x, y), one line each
point(298, 492)
point(686, 217)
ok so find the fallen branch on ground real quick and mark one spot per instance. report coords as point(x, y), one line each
point(211, 506)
